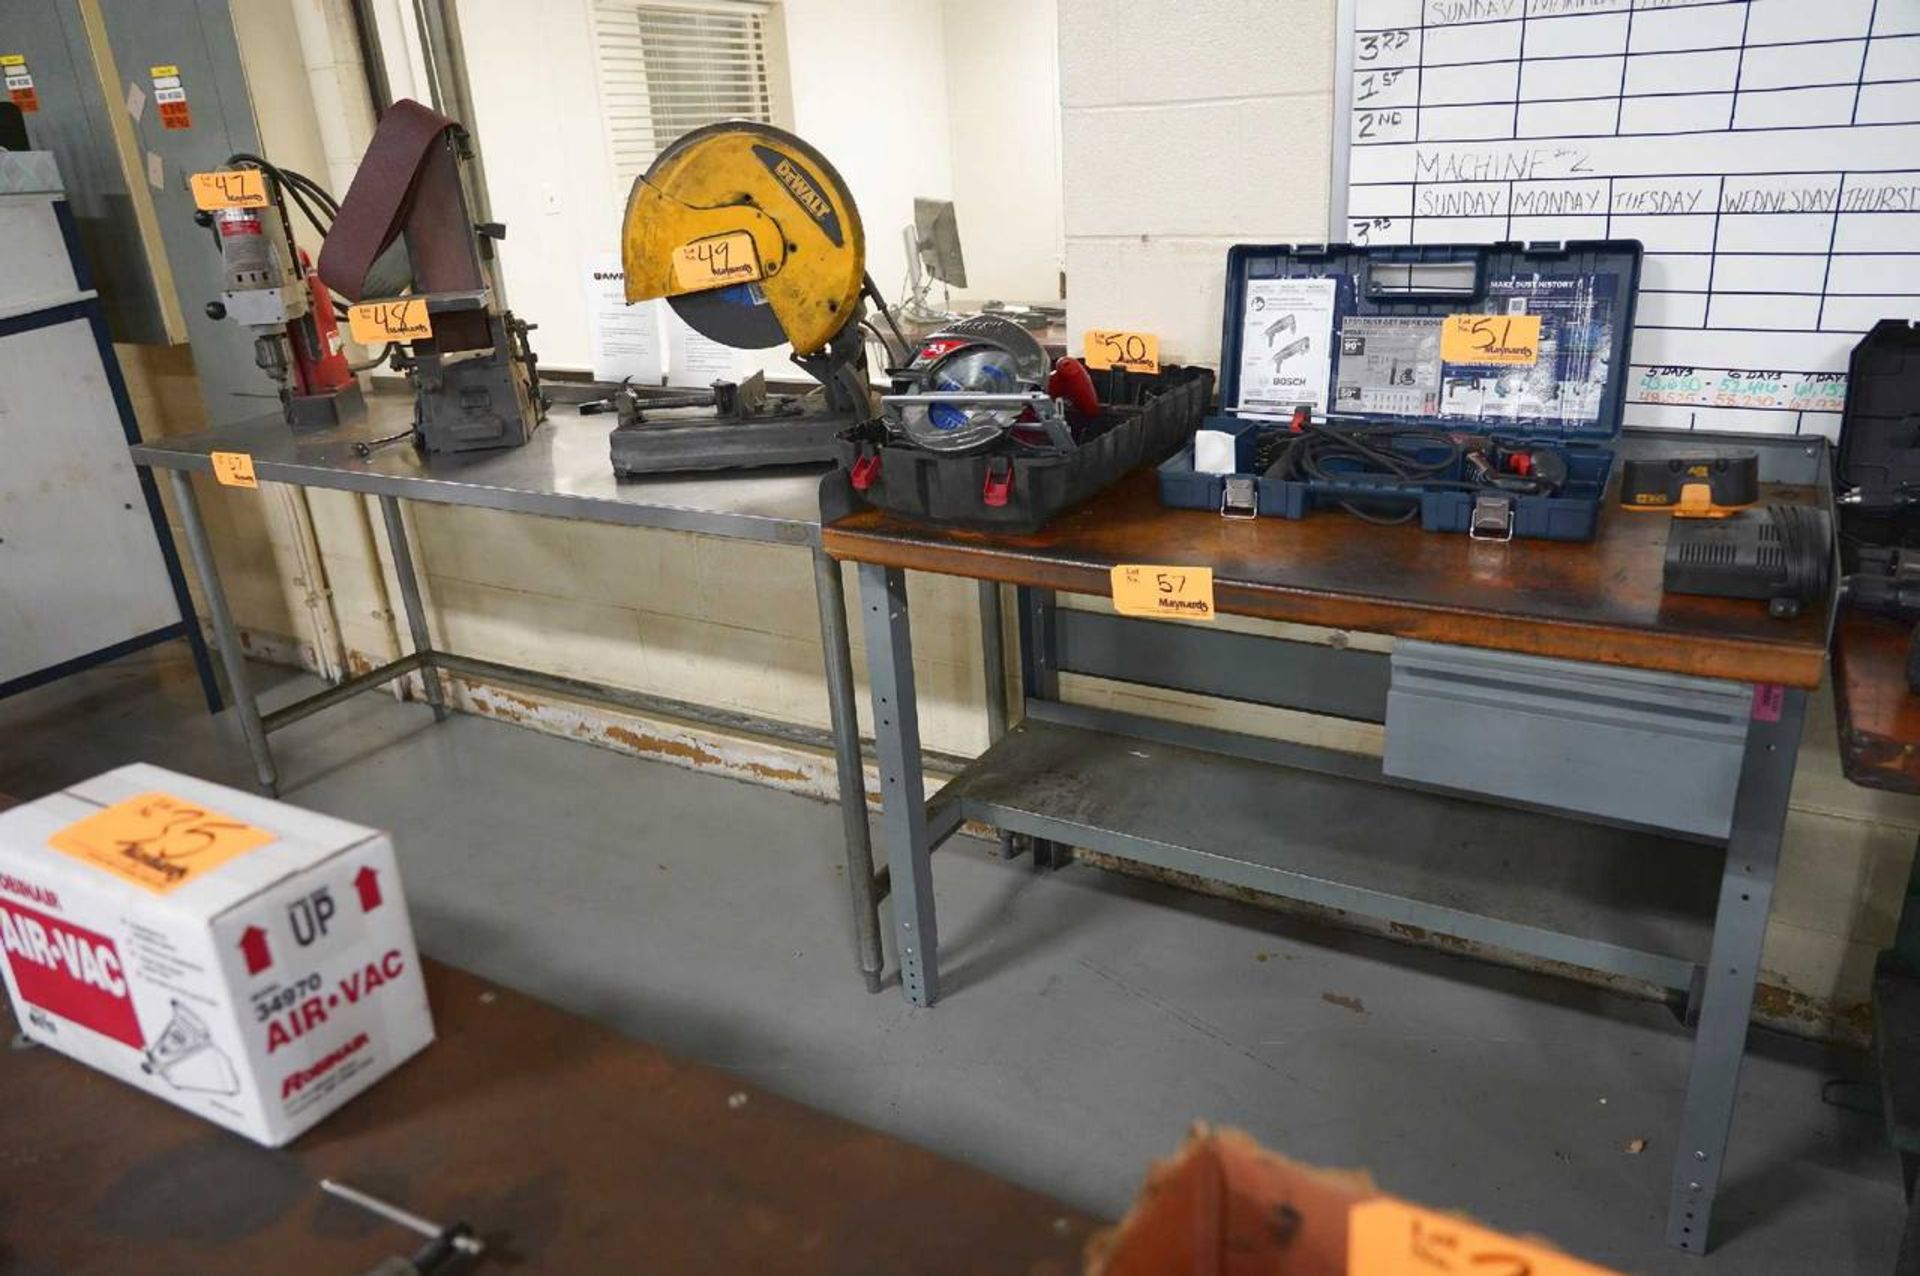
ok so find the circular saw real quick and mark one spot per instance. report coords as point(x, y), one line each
point(750, 235)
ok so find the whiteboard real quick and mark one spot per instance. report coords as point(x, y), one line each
point(1766, 153)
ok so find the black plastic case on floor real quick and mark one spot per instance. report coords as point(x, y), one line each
point(1390, 299)
point(1017, 487)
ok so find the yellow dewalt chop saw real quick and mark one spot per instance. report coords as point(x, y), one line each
point(754, 241)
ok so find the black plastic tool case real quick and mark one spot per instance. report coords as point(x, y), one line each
point(1879, 450)
point(1585, 292)
point(1018, 487)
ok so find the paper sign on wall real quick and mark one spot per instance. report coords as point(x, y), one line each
point(1185, 592)
point(625, 340)
point(158, 841)
point(694, 359)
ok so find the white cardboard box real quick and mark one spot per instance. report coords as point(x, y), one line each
point(244, 959)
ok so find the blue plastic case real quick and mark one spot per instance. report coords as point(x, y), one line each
point(1383, 299)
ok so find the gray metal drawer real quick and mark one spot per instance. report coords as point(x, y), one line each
point(1657, 749)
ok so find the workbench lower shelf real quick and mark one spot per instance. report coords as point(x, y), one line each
point(1617, 901)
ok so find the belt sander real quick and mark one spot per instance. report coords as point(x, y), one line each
point(406, 223)
point(754, 241)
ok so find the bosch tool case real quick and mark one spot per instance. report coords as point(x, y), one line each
point(1020, 484)
point(1467, 365)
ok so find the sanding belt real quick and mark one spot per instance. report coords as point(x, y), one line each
point(408, 184)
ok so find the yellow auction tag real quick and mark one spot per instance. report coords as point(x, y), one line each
point(233, 469)
point(229, 188)
point(13, 59)
point(1508, 339)
point(161, 72)
point(1112, 348)
point(374, 323)
point(716, 261)
point(1386, 1237)
point(158, 841)
point(1163, 591)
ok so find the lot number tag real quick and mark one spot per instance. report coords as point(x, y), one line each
point(158, 841)
point(1386, 1237)
point(374, 323)
point(715, 262)
point(1111, 348)
point(1505, 339)
point(1185, 592)
point(233, 469)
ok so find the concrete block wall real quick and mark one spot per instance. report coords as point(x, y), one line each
point(1187, 129)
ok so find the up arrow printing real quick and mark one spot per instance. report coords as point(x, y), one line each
point(253, 947)
point(367, 882)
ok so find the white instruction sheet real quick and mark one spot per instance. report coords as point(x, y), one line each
point(1286, 335)
point(626, 339)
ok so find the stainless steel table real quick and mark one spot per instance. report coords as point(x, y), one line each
point(563, 473)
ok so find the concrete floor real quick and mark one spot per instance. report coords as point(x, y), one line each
point(1088, 1019)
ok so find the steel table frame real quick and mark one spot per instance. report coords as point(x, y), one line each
point(912, 826)
point(564, 472)
point(1717, 994)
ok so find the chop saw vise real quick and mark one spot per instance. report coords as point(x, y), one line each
point(754, 241)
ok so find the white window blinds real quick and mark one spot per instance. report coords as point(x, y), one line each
point(669, 68)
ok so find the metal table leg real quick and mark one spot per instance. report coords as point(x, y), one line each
point(410, 600)
point(225, 636)
point(1739, 927)
point(1040, 680)
point(993, 653)
point(903, 798)
point(830, 591)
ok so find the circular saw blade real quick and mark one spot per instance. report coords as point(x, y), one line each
point(738, 316)
point(796, 187)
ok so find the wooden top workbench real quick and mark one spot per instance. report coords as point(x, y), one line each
point(1879, 718)
point(569, 1148)
point(1599, 601)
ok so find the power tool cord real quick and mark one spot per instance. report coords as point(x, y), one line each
point(1320, 454)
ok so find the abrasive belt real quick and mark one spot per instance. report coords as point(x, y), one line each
point(408, 184)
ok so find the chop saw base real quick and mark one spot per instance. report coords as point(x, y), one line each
point(671, 447)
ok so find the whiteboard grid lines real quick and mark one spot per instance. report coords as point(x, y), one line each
point(1741, 148)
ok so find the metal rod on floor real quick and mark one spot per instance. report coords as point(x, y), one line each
point(843, 713)
point(287, 715)
point(410, 600)
point(225, 635)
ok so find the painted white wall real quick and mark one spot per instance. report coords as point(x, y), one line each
point(1003, 115)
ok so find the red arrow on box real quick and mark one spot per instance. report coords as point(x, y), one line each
point(367, 882)
point(253, 947)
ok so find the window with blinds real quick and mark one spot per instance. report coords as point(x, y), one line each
point(669, 68)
